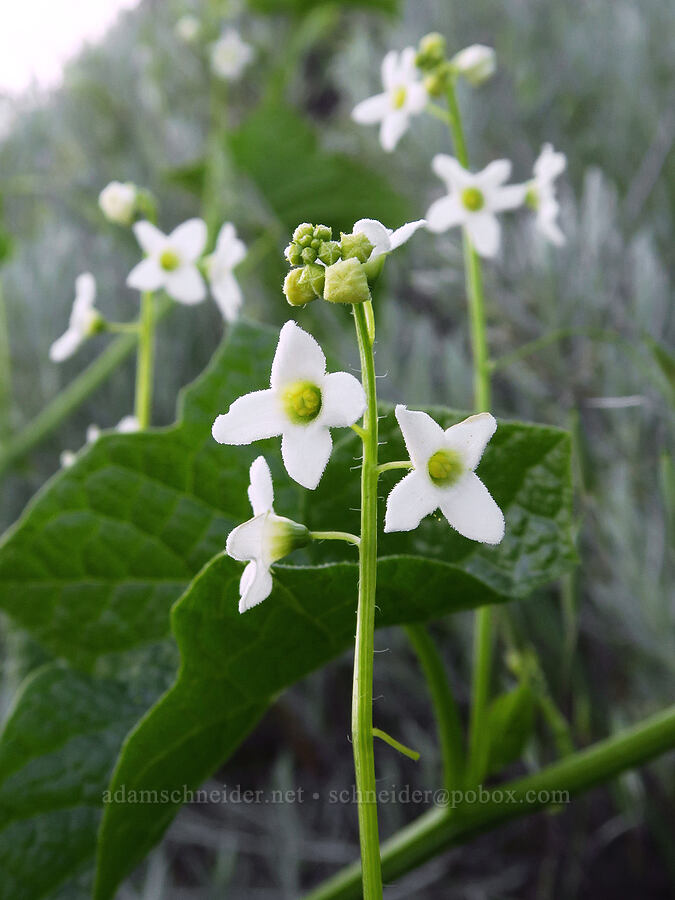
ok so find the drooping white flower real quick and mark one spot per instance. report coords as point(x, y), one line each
point(170, 261)
point(473, 201)
point(84, 319)
point(262, 540)
point(118, 202)
point(541, 193)
point(443, 477)
point(404, 96)
point(229, 252)
point(384, 239)
point(230, 55)
point(301, 405)
point(187, 28)
point(476, 63)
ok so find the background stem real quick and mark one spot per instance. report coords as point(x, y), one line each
point(146, 355)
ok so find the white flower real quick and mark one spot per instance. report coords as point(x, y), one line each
point(541, 193)
point(473, 201)
point(170, 261)
point(67, 458)
point(83, 319)
point(118, 202)
point(229, 252)
point(302, 404)
point(128, 425)
point(187, 28)
point(443, 476)
point(230, 55)
point(404, 96)
point(384, 239)
point(262, 540)
point(476, 63)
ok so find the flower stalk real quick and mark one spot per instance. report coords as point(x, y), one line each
point(145, 360)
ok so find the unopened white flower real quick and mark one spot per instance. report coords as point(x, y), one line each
point(443, 477)
point(84, 319)
point(384, 239)
point(229, 252)
point(170, 261)
point(301, 405)
point(118, 202)
point(404, 96)
point(230, 55)
point(262, 540)
point(473, 201)
point(476, 63)
point(541, 193)
point(187, 28)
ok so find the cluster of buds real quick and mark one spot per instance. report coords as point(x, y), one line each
point(475, 63)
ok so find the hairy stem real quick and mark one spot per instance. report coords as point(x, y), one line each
point(145, 364)
point(362, 694)
point(335, 536)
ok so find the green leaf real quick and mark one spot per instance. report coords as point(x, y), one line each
point(509, 725)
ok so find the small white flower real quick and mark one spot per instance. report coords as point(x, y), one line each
point(118, 202)
point(262, 540)
point(404, 96)
point(127, 425)
point(187, 28)
point(541, 193)
point(473, 201)
point(67, 458)
point(229, 252)
point(384, 239)
point(476, 63)
point(83, 319)
point(170, 261)
point(301, 405)
point(443, 476)
point(230, 55)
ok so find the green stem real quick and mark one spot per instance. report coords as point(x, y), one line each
point(399, 464)
point(362, 695)
point(397, 745)
point(445, 708)
point(441, 828)
point(145, 364)
point(335, 536)
point(5, 372)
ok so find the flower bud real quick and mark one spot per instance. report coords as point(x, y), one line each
point(329, 252)
point(355, 246)
point(118, 202)
point(315, 276)
point(300, 285)
point(323, 233)
point(476, 63)
point(293, 254)
point(373, 268)
point(436, 83)
point(282, 536)
point(346, 282)
point(303, 230)
point(309, 254)
point(431, 51)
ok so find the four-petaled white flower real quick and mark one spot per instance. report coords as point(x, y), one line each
point(83, 319)
point(476, 63)
point(170, 261)
point(118, 202)
point(301, 405)
point(404, 96)
point(229, 252)
point(262, 540)
point(443, 476)
point(473, 201)
point(541, 193)
point(384, 239)
point(230, 55)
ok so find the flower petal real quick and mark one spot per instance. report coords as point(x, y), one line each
point(128, 425)
point(227, 294)
point(343, 400)
point(471, 437)
point(298, 357)
point(421, 434)
point(470, 509)
point(451, 171)
point(510, 197)
point(413, 498)
point(549, 163)
point(246, 540)
point(85, 289)
point(496, 173)
point(445, 213)
point(185, 285)
point(405, 232)
point(484, 232)
point(390, 69)
point(260, 490)
point(416, 98)
point(378, 235)
point(306, 450)
point(372, 110)
point(407, 67)
point(189, 239)
point(150, 238)
point(252, 417)
point(255, 586)
point(393, 127)
point(65, 346)
point(148, 275)
point(230, 250)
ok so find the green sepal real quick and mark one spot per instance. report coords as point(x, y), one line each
point(346, 282)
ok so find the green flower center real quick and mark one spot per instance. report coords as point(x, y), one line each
point(445, 467)
point(473, 199)
point(169, 260)
point(398, 98)
point(532, 197)
point(302, 402)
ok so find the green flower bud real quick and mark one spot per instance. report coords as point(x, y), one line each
point(314, 276)
point(329, 252)
point(323, 232)
point(373, 268)
point(308, 254)
point(97, 325)
point(298, 292)
point(431, 51)
point(304, 241)
point(346, 282)
point(355, 246)
point(282, 536)
point(436, 83)
point(293, 254)
point(302, 230)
